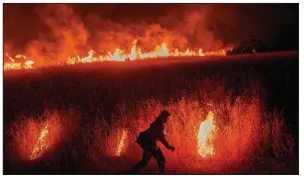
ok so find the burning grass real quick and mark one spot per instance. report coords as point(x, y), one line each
point(205, 136)
point(136, 53)
point(213, 130)
point(210, 132)
point(33, 138)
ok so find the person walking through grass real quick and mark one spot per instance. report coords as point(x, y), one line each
point(148, 142)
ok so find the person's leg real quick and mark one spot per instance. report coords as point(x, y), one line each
point(160, 158)
point(144, 161)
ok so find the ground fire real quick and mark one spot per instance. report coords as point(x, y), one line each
point(42, 143)
point(206, 136)
point(121, 143)
point(84, 80)
point(118, 55)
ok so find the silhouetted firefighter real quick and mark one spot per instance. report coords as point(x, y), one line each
point(147, 140)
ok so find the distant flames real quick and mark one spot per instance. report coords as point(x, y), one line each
point(206, 136)
point(118, 55)
point(12, 64)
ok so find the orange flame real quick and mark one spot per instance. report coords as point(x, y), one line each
point(136, 53)
point(205, 136)
point(118, 55)
point(41, 144)
point(121, 143)
point(28, 64)
point(12, 64)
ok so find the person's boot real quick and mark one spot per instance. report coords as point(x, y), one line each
point(161, 168)
point(135, 169)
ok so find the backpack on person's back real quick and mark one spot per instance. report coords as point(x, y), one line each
point(143, 138)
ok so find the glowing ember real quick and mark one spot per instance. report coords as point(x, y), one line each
point(121, 143)
point(41, 144)
point(118, 55)
point(205, 136)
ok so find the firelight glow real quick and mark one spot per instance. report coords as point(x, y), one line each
point(121, 142)
point(136, 53)
point(206, 136)
point(41, 145)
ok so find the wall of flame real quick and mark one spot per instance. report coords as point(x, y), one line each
point(136, 53)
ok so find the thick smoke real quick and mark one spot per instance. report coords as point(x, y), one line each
point(68, 34)
point(67, 37)
point(188, 32)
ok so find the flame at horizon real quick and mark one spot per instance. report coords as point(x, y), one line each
point(136, 53)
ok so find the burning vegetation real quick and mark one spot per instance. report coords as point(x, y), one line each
point(72, 40)
point(211, 133)
point(222, 139)
point(205, 136)
point(214, 130)
point(42, 143)
point(36, 138)
point(119, 55)
point(121, 142)
point(10, 63)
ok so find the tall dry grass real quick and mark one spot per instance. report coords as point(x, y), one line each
point(245, 134)
point(25, 132)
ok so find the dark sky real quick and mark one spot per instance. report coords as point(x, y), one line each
point(207, 25)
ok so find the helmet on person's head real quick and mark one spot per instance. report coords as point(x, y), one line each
point(163, 116)
point(164, 113)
